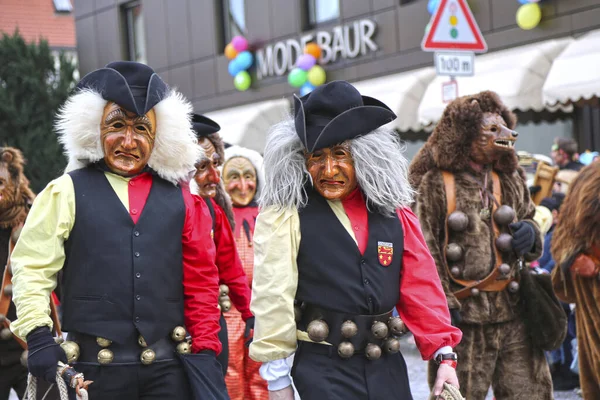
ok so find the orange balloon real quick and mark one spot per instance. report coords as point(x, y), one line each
point(313, 49)
point(230, 52)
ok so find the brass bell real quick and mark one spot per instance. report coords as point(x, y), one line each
point(148, 356)
point(142, 341)
point(71, 350)
point(2, 318)
point(349, 329)
point(23, 358)
point(105, 356)
point(59, 340)
point(391, 345)
point(454, 252)
point(513, 287)
point(5, 334)
point(458, 221)
point(346, 350)
point(318, 330)
point(379, 330)
point(297, 313)
point(219, 307)
point(504, 215)
point(184, 348)
point(178, 333)
point(224, 290)
point(226, 305)
point(102, 342)
point(372, 351)
point(474, 292)
point(8, 290)
point(504, 242)
point(504, 269)
point(455, 271)
point(397, 326)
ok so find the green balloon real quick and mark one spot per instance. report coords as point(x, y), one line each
point(242, 81)
point(297, 77)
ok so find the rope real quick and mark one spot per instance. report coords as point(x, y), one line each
point(31, 393)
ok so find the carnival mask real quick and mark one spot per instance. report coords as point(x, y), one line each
point(207, 170)
point(127, 139)
point(332, 171)
point(239, 177)
point(495, 140)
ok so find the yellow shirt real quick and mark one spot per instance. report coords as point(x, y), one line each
point(39, 253)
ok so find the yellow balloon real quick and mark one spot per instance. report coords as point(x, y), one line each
point(316, 75)
point(230, 52)
point(529, 16)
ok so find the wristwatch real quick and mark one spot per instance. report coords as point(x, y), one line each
point(446, 357)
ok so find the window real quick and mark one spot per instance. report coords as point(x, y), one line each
point(63, 6)
point(234, 19)
point(134, 31)
point(320, 11)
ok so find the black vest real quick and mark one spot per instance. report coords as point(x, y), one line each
point(332, 273)
point(120, 278)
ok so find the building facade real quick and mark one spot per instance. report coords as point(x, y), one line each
point(373, 43)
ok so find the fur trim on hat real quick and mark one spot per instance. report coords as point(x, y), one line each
point(175, 151)
point(254, 157)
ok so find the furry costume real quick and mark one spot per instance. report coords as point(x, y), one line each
point(491, 323)
point(578, 232)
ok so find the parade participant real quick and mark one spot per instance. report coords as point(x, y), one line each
point(129, 244)
point(576, 249)
point(472, 197)
point(242, 178)
point(335, 235)
point(207, 184)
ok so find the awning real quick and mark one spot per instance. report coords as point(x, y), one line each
point(248, 125)
point(574, 73)
point(516, 74)
point(402, 93)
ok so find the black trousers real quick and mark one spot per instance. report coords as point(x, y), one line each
point(12, 377)
point(319, 373)
point(223, 358)
point(161, 380)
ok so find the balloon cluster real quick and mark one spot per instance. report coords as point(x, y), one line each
point(529, 14)
point(307, 75)
point(432, 7)
point(241, 61)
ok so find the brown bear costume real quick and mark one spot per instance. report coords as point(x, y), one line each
point(496, 348)
point(576, 249)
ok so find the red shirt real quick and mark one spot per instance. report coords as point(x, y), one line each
point(200, 274)
point(422, 305)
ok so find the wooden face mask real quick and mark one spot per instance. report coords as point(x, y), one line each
point(494, 141)
point(207, 170)
point(332, 171)
point(239, 177)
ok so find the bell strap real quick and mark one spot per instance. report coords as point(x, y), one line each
point(490, 283)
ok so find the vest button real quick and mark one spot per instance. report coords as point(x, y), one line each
point(366, 281)
point(136, 233)
point(138, 297)
point(363, 262)
point(370, 300)
point(134, 211)
point(137, 254)
point(138, 275)
point(137, 319)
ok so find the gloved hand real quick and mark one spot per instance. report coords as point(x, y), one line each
point(455, 317)
point(43, 354)
point(523, 237)
point(248, 330)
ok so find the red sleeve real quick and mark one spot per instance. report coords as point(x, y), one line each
point(231, 272)
point(200, 276)
point(423, 306)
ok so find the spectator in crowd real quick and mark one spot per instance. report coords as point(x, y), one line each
point(564, 153)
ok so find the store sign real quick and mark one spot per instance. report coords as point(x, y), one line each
point(342, 42)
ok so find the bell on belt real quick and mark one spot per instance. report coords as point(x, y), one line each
point(397, 326)
point(504, 215)
point(504, 269)
point(142, 341)
point(513, 287)
point(372, 351)
point(226, 305)
point(504, 242)
point(318, 330)
point(391, 345)
point(105, 356)
point(178, 333)
point(71, 349)
point(148, 356)
point(8, 290)
point(23, 358)
point(59, 340)
point(454, 252)
point(474, 292)
point(455, 271)
point(349, 329)
point(458, 221)
point(223, 290)
point(379, 330)
point(184, 348)
point(102, 342)
point(346, 350)
point(2, 318)
point(5, 334)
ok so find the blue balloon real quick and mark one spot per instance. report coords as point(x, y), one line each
point(525, 1)
point(432, 6)
point(234, 67)
point(244, 60)
point(306, 89)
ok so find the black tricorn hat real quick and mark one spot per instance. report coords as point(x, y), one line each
point(132, 85)
point(335, 112)
point(204, 126)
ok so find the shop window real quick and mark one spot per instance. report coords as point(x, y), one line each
point(320, 11)
point(63, 6)
point(234, 19)
point(134, 32)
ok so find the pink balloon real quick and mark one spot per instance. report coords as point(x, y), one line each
point(306, 62)
point(239, 43)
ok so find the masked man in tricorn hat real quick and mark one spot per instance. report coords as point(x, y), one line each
point(123, 236)
point(335, 235)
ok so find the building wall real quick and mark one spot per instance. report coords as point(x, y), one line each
point(184, 41)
